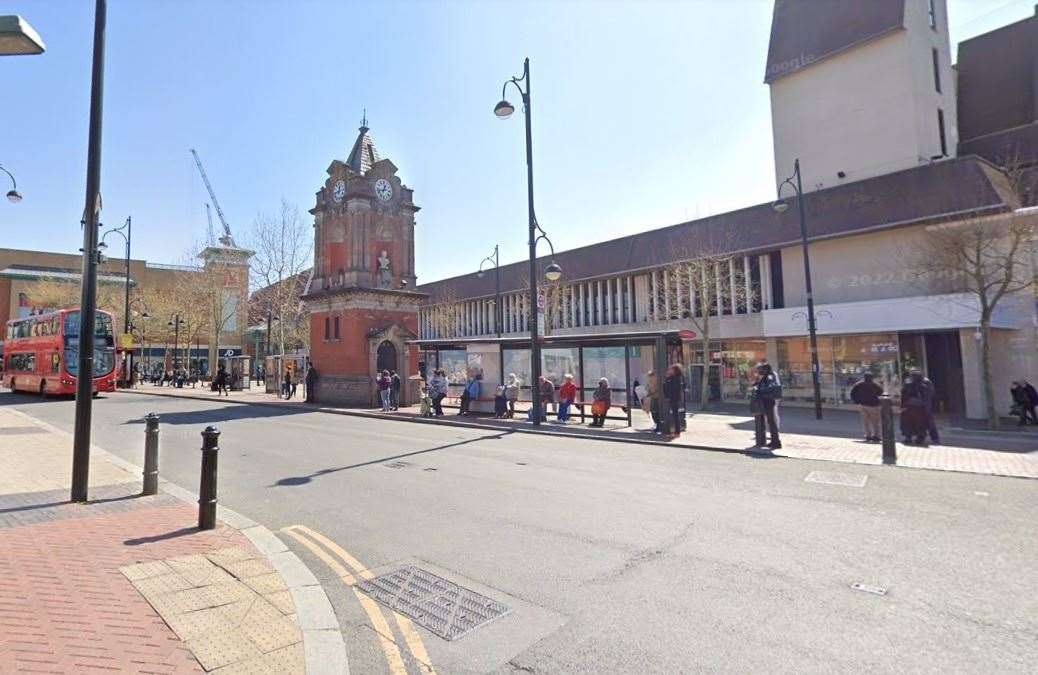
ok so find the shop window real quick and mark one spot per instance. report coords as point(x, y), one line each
point(739, 361)
point(336, 327)
point(756, 300)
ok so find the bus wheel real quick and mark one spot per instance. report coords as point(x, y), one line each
point(43, 389)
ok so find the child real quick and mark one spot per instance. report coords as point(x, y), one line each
point(500, 404)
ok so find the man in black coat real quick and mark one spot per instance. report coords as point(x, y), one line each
point(866, 394)
point(1025, 399)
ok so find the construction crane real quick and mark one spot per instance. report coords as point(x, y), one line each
point(210, 237)
point(226, 239)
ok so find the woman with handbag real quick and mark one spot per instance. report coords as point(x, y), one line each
point(763, 395)
point(601, 399)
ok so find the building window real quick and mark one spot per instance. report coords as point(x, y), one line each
point(778, 299)
point(336, 324)
point(931, 13)
point(936, 71)
point(940, 130)
point(327, 328)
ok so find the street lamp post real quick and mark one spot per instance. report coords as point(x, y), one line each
point(13, 195)
point(126, 238)
point(552, 272)
point(174, 323)
point(780, 206)
point(88, 295)
point(496, 259)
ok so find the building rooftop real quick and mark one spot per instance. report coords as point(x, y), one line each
point(947, 189)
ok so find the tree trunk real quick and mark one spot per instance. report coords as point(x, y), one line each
point(704, 381)
point(985, 373)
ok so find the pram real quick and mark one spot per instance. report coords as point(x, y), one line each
point(500, 404)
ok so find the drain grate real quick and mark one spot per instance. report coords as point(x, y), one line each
point(445, 608)
point(833, 478)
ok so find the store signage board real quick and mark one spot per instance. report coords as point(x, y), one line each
point(687, 335)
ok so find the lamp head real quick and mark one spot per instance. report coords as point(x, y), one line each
point(553, 272)
point(479, 274)
point(101, 245)
point(780, 206)
point(14, 196)
point(504, 109)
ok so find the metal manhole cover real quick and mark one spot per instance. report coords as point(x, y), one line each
point(17, 431)
point(833, 478)
point(445, 608)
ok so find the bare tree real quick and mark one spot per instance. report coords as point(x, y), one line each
point(444, 316)
point(284, 246)
point(986, 259)
point(703, 286)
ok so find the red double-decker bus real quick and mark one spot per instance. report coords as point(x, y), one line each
point(41, 353)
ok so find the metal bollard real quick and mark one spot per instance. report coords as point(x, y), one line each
point(886, 408)
point(207, 485)
point(151, 454)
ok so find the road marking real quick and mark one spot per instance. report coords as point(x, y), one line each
point(374, 612)
point(389, 647)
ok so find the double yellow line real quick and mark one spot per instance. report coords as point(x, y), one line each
point(338, 560)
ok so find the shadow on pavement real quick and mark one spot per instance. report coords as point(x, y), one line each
point(184, 531)
point(303, 480)
point(229, 413)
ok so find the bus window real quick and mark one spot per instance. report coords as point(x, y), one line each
point(55, 362)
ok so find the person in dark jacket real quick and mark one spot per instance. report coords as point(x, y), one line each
point(221, 381)
point(929, 403)
point(866, 394)
point(913, 410)
point(674, 393)
point(394, 390)
point(1025, 399)
point(311, 383)
point(763, 394)
point(286, 386)
point(601, 399)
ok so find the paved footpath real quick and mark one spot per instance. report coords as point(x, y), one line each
point(1007, 453)
point(126, 583)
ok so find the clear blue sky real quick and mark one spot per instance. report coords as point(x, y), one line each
point(645, 114)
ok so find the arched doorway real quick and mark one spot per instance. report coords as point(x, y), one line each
point(386, 357)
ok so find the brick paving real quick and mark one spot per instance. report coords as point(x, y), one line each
point(67, 607)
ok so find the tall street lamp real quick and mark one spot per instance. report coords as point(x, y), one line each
point(126, 238)
point(174, 323)
point(780, 206)
point(13, 195)
point(496, 259)
point(88, 293)
point(552, 272)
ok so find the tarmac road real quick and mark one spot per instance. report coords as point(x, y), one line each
point(618, 558)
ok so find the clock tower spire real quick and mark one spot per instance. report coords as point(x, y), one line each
point(362, 305)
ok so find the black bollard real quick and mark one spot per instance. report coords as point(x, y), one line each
point(886, 408)
point(151, 454)
point(207, 485)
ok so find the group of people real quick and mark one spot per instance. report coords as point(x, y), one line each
point(389, 385)
point(670, 420)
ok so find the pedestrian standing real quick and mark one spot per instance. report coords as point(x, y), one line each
point(763, 394)
point(567, 395)
point(311, 383)
point(929, 392)
point(394, 390)
point(469, 394)
point(601, 399)
point(866, 395)
point(674, 392)
point(512, 393)
point(547, 395)
point(913, 414)
point(1025, 399)
point(221, 381)
point(286, 384)
point(295, 383)
point(438, 388)
point(651, 401)
point(384, 384)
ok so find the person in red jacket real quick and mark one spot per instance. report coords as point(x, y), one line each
point(567, 395)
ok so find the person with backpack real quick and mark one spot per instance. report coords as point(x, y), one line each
point(763, 394)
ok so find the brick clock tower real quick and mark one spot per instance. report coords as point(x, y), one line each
point(361, 298)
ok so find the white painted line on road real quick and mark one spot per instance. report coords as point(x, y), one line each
point(981, 493)
point(834, 478)
point(868, 588)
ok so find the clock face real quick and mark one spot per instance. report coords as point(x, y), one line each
point(339, 190)
point(383, 190)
